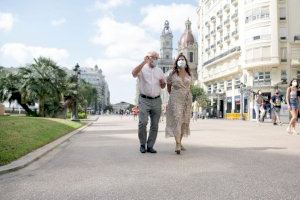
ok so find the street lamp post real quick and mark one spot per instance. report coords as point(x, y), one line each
point(76, 80)
point(242, 90)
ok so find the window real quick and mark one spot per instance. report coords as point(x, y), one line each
point(298, 74)
point(229, 85)
point(283, 33)
point(283, 52)
point(209, 89)
point(215, 88)
point(229, 104)
point(262, 79)
point(237, 83)
point(191, 57)
point(282, 13)
point(256, 14)
point(167, 56)
point(283, 76)
point(221, 86)
point(237, 101)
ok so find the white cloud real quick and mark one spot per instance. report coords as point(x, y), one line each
point(58, 22)
point(108, 4)
point(123, 40)
point(177, 14)
point(22, 53)
point(6, 21)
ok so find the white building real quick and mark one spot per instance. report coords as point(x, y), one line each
point(95, 77)
point(253, 42)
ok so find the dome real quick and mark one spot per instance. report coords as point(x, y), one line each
point(187, 38)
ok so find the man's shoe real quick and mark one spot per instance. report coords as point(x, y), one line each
point(274, 124)
point(142, 149)
point(151, 150)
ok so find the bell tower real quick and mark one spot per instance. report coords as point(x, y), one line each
point(166, 44)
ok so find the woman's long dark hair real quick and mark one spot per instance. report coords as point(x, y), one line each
point(175, 67)
point(291, 83)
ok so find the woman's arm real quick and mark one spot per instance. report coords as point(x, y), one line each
point(287, 96)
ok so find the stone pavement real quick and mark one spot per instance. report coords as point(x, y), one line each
point(224, 160)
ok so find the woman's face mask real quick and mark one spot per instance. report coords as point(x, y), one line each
point(181, 63)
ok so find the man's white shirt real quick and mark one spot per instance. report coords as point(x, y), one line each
point(149, 81)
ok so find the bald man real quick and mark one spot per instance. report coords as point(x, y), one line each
point(151, 81)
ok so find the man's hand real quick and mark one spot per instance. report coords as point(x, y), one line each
point(147, 60)
point(137, 69)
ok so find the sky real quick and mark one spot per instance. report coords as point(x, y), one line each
point(113, 34)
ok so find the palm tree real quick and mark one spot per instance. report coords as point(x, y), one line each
point(9, 91)
point(43, 80)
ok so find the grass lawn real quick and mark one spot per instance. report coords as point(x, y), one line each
point(21, 135)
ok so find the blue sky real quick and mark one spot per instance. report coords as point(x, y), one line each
point(114, 34)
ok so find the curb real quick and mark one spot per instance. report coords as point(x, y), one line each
point(38, 153)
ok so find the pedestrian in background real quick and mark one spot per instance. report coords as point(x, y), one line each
point(195, 107)
point(259, 106)
point(293, 105)
point(276, 104)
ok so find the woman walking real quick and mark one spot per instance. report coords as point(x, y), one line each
point(180, 102)
point(293, 105)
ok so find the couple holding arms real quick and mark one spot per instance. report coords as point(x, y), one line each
point(151, 81)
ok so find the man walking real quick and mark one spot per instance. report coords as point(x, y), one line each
point(276, 103)
point(151, 81)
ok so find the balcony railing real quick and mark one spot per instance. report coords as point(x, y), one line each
point(227, 23)
point(220, 43)
point(207, 36)
point(235, 34)
point(227, 38)
point(220, 13)
point(227, 7)
point(207, 24)
point(207, 50)
point(297, 38)
point(234, 2)
point(213, 32)
point(234, 17)
point(219, 28)
point(213, 46)
point(213, 19)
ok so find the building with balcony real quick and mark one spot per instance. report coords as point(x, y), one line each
point(258, 45)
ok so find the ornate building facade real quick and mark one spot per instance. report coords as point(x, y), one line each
point(95, 77)
point(247, 45)
point(189, 47)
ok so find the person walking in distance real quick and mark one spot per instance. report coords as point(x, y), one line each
point(195, 107)
point(151, 81)
point(276, 103)
point(293, 105)
point(259, 106)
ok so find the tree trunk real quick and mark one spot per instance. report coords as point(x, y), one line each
point(42, 107)
point(17, 96)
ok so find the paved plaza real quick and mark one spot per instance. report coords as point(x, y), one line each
point(224, 160)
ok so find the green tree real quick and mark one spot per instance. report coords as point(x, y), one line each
point(10, 84)
point(43, 81)
point(199, 95)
